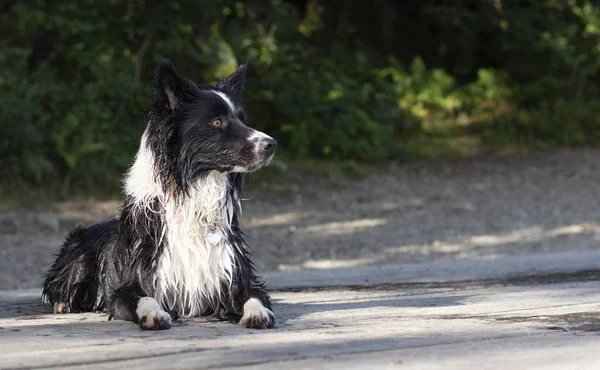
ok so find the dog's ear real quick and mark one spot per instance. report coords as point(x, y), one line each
point(170, 89)
point(234, 83)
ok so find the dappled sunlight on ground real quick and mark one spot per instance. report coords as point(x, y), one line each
point(526, 235)
point(330, 263)
point(522, 241)
point(442, 210)
point(286, 218)
point(344, 227)
point(485, 208)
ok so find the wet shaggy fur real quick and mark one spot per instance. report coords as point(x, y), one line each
point(176, 249)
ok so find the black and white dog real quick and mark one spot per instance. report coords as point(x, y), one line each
point(176, 248)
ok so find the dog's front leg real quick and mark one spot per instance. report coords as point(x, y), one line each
point(258, 313)
point(131, 304)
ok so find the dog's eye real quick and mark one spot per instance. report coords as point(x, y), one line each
point(217, 123)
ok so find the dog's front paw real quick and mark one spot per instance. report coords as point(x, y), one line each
point(61, 307)
point(155, 320)
point(151, 315)
point(257, 316)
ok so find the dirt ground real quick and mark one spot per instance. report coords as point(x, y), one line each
point(443, 210)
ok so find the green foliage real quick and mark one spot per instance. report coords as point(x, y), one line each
point(363, 81)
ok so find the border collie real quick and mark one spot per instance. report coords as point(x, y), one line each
point(176, 249)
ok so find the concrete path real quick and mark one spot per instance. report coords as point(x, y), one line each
point(536, 312)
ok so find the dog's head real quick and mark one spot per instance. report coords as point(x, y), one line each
point(198, 128)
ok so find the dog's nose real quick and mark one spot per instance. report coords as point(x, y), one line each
point(268, 145)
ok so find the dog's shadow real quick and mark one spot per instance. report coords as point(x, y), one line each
point(287, 312)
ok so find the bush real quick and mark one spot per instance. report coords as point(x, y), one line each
point(363, 81)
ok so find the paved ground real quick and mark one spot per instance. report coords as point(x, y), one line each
point(434, 211)
point(525, 312)
point(483, 264)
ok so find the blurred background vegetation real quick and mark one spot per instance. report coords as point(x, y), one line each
point(358, 80)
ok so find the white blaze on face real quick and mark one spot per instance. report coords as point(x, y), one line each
point(227, 100)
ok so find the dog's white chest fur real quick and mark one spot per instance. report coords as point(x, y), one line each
point(198, 259)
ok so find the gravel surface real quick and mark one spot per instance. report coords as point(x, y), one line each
point(443, 210)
